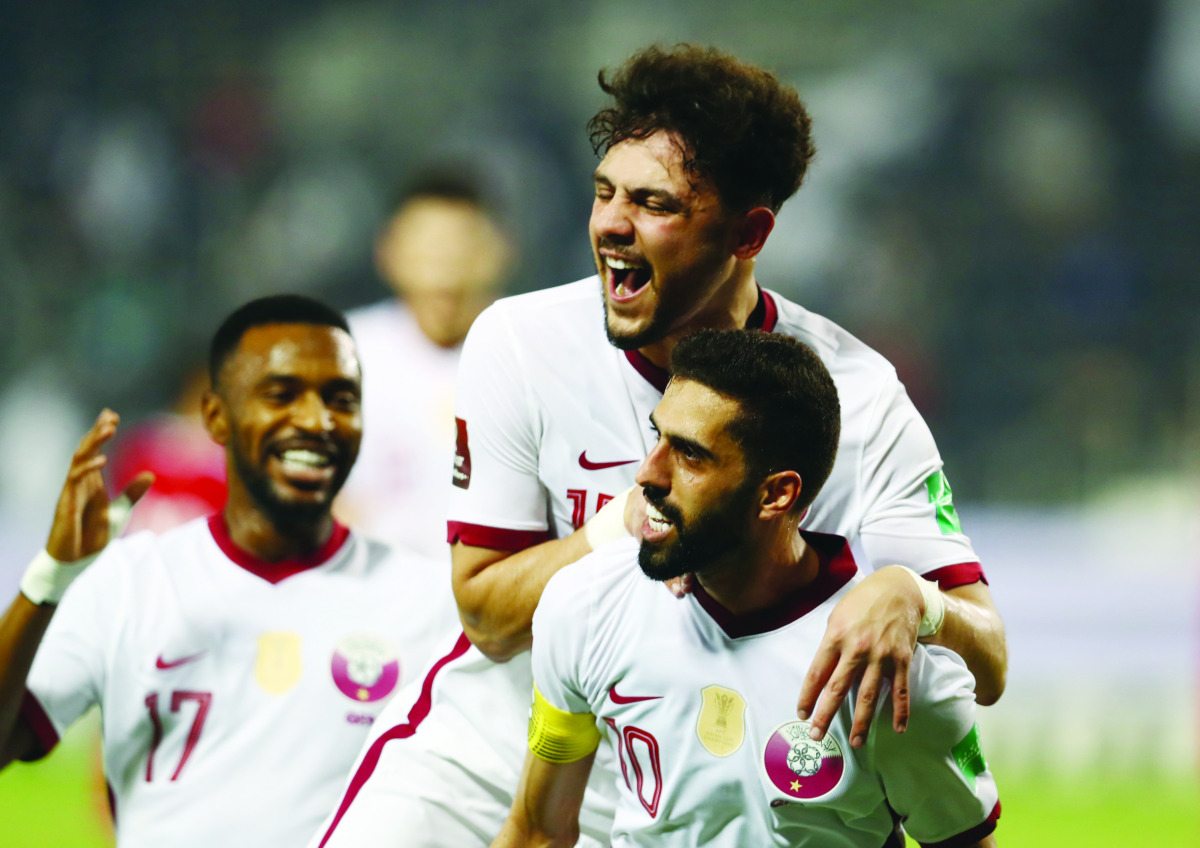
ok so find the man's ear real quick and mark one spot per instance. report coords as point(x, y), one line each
point(216, 417)
point(752, 232)
point(778, 494)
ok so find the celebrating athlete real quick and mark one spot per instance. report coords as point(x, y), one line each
point(239, 660)
point(555, 391)
point(709, 750)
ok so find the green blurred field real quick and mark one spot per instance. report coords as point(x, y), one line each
point(57, 803)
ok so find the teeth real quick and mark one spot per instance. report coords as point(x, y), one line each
point(658, 521)
point(619, 264)
point(306, 458)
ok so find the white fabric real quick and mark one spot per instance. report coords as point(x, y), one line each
point(542, 392)
point(397, 492)
point(605, 638)
point(170, 622)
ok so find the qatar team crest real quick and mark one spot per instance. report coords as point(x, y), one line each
point(721, 726)
point(365, 667)
point(799, 767)
point(278, 666)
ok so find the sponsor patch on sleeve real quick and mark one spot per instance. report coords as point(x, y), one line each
point(939, 495)
point(968, 754)
point(462, 457)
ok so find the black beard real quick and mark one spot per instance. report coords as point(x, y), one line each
point(699, 545)
point(283, 515)
point(655, 332)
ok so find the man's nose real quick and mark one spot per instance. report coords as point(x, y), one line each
point(311, 414)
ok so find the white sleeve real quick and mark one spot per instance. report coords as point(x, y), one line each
point(908, 515)
point(69, 670)
point(934, 774)
point(498, 500)
point(560, 635)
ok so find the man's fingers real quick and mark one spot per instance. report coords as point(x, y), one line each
point(900, 694)
point(832, 697)
point(82, 468)
point(819, 671)
point(100, 432)
point(675, 584)
point(864, 707)
point(138, 486)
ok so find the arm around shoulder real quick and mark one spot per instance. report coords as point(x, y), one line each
point(974, 630)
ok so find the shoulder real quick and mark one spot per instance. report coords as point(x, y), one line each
point(844, 354)
point(554, 313)
point(602, 578)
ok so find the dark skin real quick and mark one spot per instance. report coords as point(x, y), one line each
point(286, 388)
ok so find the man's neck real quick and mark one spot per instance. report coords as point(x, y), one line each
point(763, 576)
point(257, 533)
point(727, 309)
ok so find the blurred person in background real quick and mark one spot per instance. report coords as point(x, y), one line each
point(699, 152)
point(188, 466)
point(445, 256)
point(239, 659)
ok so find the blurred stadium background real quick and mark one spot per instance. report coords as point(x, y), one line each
point(1000, 204)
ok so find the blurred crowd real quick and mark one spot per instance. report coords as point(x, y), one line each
point(1000, 202)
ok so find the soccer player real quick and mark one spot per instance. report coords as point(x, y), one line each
point(695, 696)
point(554, 395)
point(445, 255)
point(239, 660)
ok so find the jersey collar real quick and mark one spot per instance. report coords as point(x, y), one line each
point(837, 567)
point(763, 318)
point(274, 572)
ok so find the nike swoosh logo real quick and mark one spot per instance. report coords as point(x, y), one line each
point(596, 466)
point(163, 665)
point(622, 699)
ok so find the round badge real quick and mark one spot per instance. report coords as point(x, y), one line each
point(799, 767)
point(365, 667)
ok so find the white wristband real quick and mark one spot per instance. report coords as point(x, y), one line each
point(608, 524)
point(46, 579)
point(935, 605)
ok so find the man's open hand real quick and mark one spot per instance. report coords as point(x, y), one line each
point(871, 634)
point(81, 525)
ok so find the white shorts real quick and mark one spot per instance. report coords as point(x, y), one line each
point(443, 761)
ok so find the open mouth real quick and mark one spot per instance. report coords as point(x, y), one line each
point(305, 467)
point(657, 525)
point(626, 278)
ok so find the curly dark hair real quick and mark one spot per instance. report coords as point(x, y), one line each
point(741, 128)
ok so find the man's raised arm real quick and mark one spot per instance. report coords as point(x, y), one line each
point(82, 527)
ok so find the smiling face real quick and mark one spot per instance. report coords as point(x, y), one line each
point(287, 408)
point(700, 500)
point(663, 244)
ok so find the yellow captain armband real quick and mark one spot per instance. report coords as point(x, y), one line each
point(557, 736)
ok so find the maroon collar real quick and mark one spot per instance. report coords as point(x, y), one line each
point(763, 318)
point(837, 567)
point(273, 572)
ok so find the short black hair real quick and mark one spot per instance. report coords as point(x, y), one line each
point(273, 309)
point(790, 417)
point(449, 181)
point(740, 126)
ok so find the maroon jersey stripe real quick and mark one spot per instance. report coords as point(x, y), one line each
point(401, 731)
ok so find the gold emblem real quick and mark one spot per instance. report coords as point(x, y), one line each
point(278, 666)
point(721, 726)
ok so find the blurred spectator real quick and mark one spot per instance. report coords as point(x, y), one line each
point(445, 256)
point(188, 466)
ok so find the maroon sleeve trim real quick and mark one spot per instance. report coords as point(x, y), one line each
point(976, 833)
point(953, 576)
point(499, 538)
point(35, 716)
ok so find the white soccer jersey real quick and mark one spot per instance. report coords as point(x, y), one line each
point(397, 491)
point(234, 693)
point(552, 422)
point(700, 704)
